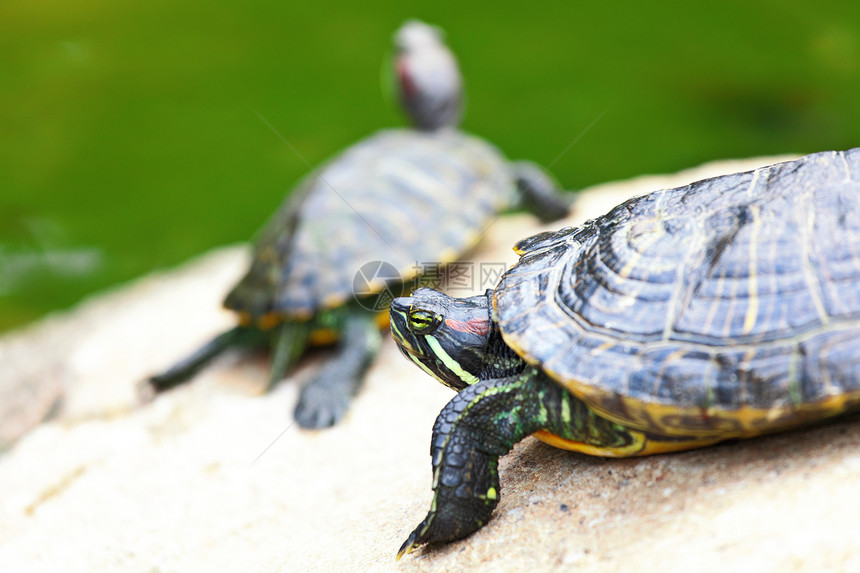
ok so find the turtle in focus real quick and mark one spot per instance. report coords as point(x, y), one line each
point(386, 205)
point(727, 308)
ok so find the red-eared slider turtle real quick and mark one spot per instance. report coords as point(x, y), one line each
point(404, 197)
point(724, 309)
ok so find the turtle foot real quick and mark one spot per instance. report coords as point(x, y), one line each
point(453, 518)
point(313, 415)
point(323, 402)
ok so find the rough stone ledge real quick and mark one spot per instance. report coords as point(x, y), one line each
point(214, 477)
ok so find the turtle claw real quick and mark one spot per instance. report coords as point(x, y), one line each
point(417, 538)
point(407, 546)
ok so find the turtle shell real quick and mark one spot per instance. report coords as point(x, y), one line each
point(728, 307)
point(401, 196)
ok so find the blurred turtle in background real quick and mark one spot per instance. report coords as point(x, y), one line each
point(389, 202)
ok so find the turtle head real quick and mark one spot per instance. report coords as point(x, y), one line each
point(446, 337)
point(428, 79)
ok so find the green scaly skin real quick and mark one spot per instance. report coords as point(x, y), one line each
point(501, 400)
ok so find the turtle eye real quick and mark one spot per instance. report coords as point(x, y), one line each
point(422, 321)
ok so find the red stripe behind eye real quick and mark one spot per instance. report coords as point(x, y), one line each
point(475, 326)
point(406, 83)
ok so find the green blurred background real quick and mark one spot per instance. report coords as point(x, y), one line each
point(129, 140)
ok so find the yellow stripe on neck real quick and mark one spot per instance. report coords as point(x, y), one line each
point(449, 362)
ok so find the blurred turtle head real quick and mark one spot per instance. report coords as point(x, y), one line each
point(428, 78)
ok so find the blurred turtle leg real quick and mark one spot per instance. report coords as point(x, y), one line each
point(289, 340)
point(325, 399)
point(540, 193)
point(183, 370)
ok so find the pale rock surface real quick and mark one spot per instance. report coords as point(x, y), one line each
point(214, 476)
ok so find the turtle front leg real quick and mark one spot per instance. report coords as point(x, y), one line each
point(480, 424)
point(325, 399)
point(540, 193)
